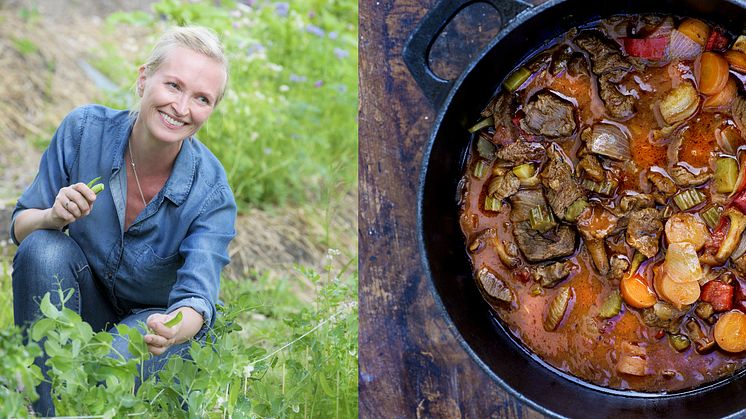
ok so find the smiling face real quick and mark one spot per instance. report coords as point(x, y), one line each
point(178, 96)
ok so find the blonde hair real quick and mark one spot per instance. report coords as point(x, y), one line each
point(196, 38)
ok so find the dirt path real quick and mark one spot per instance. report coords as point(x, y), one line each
point(42, 46)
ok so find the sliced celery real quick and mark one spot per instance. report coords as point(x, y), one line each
point(486, 122)
point(524, 171)
point(679, 342)
point(711, 215)
point(486, 149)
point(492, 204)
point(603, 188)
point(541, 219)
point(516, 79)
point(575, 209)
point(688, 199)
point(726, 174)
point(480, 168)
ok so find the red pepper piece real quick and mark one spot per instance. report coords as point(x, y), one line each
point(648, 48)
point(719, 295)
point(716, 41)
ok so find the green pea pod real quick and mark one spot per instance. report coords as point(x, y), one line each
point(97, 188)
point(90, 184)
point(173, 322)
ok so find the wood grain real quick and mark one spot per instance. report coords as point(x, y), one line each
point(410, 362)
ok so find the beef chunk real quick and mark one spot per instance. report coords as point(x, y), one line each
point(618, 105)
point(549, 115)
point(552, 274)
point(577, 66)
point(590, 167)
point(537, 247)
point(561, 187)
point(501, 109)
point(619, 266)
point(665, 186)
point(501, 187)
point(685, 178)
point(611, 66)
point(634, 202)
point(606, 56)
point(663, 315)
point(521, 152)
point(494, 287)
point(644, 231)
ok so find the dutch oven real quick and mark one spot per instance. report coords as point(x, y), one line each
point(458, 103)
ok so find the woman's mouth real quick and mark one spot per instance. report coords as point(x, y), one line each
point(171, 122)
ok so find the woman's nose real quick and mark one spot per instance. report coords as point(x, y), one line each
point(181, 105)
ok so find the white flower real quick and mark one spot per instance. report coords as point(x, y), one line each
point(247, 370)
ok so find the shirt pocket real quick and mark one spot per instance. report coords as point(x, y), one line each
point(156, 272)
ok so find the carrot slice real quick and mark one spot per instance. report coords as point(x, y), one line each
point(636, 293)
point(736, 59)
point(695, 29)
point(724, 98)
point(730, 331)
point(711, 70)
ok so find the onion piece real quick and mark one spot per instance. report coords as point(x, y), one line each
point(680, 103)
point(610, 141)
point(683, 47)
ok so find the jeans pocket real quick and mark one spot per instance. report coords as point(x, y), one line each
point(156, 272)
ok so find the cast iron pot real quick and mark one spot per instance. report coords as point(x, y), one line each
point(459, 102)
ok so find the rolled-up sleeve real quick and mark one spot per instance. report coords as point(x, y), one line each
point(54, 168)
point(205, 253)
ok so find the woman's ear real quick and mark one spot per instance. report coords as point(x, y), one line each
point(141, 80)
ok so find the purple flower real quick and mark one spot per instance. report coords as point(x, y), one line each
point(297, 79)
point(315, 30)
point(318, 83)
point(254, 49)
point(282, 9)
point(340, 53)
point(249, 3)
point(333, 35)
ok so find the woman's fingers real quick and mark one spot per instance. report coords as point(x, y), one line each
point(74, 202)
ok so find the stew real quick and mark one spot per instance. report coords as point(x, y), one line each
point(603, 203)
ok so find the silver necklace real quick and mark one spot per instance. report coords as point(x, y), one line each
point(132, 161)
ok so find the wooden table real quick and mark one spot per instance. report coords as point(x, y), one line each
point(410, 362)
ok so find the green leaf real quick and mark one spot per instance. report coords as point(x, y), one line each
point(41, 329)
point(47, 308)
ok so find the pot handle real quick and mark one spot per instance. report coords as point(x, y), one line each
point(417, 47)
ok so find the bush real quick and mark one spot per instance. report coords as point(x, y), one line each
point(286, 131)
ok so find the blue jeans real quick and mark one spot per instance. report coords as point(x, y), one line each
point(47, 260)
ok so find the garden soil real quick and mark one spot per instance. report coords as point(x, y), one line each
point(42, 46)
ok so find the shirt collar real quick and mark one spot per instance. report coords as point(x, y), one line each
point(179, 184)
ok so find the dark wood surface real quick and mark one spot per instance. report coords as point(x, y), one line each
point(411, 365)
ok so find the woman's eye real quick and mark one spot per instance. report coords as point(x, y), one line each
point(172, 85)
point(204, 100)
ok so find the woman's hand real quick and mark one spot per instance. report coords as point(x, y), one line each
point(162, 336)
point(71, 204)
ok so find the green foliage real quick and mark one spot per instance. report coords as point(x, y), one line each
point(25, 46)
point(18, 374)
point(298, 358)
point(286, 129)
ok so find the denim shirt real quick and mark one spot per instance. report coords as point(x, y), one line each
point(172, 254)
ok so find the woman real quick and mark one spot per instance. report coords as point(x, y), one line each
point(153, 243)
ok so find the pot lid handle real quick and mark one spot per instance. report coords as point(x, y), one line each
point(417, 47)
